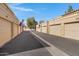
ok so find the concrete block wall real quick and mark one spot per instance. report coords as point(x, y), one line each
point(9, 24)
point(38, 28)
point(44, 27)
point(65, 26)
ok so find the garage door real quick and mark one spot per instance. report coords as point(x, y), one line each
point(72, 30)
point(55, 30)
point(44, 29)
point(15, 30)
point(5, 31)
point(19, 30)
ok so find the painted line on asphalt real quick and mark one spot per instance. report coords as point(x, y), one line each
point(52, 49)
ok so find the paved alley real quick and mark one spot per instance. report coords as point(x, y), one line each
point(23, 42)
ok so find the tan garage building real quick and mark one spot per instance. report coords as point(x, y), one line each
point(9, 24)
point(5, 31)
point(15, 29)
point(55, 27)
point(72, 30)
point(66, 25)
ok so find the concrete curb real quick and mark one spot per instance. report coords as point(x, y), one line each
point(52, 49)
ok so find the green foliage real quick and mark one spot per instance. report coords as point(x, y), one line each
point(70, 8)
point(31, 23)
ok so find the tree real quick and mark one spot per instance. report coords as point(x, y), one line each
point(70, 8)
point(31, 23)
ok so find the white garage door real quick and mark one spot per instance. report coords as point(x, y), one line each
point(72, 30)
point(55, 30)
point(5, 31)
point(44, 29)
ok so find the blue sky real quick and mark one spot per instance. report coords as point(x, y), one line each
point(41, 11)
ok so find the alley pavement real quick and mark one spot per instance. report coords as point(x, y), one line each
point(27, 44)
point(24, 42)
point(69, 46)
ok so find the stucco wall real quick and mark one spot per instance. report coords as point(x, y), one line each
point(44, 27)
point(9, 24)
point(38, 28)
point(65, 26)
point(5, 31)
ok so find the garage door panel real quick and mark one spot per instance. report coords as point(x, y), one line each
point(5, 31)
point(72, 30)
point(55, 30)
point(15, 30)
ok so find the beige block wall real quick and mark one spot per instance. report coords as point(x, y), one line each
point(65, 26)
point(38, 28)
point(44, 29)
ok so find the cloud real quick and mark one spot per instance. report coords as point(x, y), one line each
point(14, 4)
point(23, 9)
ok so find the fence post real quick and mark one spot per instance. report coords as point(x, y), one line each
point(47, 27)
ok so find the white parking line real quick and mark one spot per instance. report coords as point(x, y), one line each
point(52, 49)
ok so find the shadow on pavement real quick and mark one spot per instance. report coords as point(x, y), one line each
point(23, 42)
